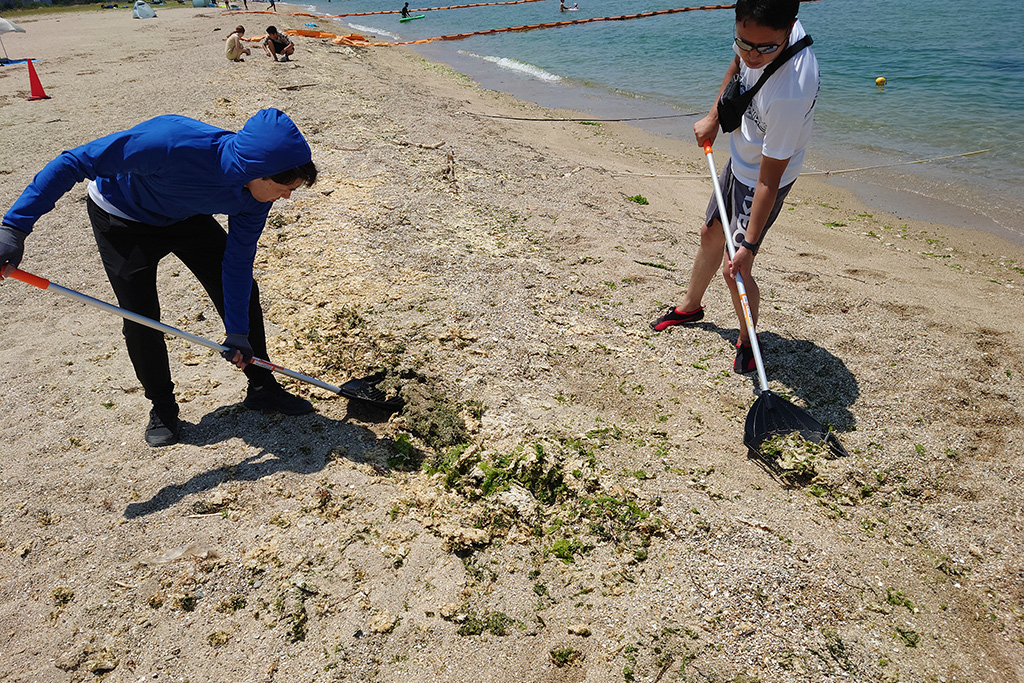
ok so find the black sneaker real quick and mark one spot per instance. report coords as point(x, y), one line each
point(272, 398)
point(673, 318)
point(163, 428)
point(744, 362)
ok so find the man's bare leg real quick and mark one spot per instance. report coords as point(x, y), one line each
point(753, 300)
point(705, 265)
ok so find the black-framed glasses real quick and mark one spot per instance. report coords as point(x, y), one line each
point(762, 49)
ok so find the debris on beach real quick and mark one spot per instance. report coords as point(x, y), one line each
point(193, 550)
point(795, 458)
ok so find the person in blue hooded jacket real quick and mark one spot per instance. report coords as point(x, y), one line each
point(153, 191)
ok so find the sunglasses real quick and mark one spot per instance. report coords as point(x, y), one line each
point(762, 49)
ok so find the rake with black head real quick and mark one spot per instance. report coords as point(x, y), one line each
point(771, 414)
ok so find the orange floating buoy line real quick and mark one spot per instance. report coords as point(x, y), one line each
point(357, 40)
point(388, 11)
point(559, 24)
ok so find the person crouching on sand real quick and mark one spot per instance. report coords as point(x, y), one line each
point(234, 49)
point(153, 191)
point(277, 44)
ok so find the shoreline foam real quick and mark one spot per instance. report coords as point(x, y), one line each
point(916, 191)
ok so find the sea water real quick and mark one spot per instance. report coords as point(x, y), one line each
point(954, 84)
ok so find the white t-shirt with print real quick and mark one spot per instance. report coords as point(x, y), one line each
point(778, 122)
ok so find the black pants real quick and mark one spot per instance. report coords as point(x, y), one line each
point(130, 252)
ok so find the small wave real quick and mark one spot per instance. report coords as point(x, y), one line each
point(374, 31)
point(516, 65)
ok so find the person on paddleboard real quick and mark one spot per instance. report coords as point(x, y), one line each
point(153, 191)
point(767, 151)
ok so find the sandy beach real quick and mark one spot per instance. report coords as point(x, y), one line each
point(566, 496)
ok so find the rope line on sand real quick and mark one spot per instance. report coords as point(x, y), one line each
point(634, 118)
point(897, 163)
point(809, 173)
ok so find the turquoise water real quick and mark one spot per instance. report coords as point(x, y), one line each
point(954, 83)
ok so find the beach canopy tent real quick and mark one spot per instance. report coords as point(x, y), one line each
point(142, 10)
point(8, 27)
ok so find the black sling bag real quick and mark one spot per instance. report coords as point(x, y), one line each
point(734, 103)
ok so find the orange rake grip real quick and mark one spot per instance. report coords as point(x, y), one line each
point(27, 278)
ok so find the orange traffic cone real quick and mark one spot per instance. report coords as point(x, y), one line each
point(37, 88)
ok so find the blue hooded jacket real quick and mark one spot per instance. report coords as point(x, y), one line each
point(170, 168)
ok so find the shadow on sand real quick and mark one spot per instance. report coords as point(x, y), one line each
point(806, 371)
point(294, 444)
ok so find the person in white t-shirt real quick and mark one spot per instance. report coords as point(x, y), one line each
point(767, 151)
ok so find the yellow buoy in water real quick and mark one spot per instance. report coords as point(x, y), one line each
point(880, 81)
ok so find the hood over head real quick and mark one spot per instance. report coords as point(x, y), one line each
point(269, 143)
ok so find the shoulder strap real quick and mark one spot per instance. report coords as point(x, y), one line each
point(777, 63)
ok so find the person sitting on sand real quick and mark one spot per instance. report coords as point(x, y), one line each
point(405, 10)
point(153, 191)
point(766, 151)
point(277, 44)
point(233, 48)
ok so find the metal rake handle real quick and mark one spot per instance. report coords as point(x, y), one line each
point(358, 389)
point(747, 317)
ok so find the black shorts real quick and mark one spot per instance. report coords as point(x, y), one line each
point(739, 199)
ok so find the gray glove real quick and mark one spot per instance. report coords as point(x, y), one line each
point(237, 342)
point(12, 245)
